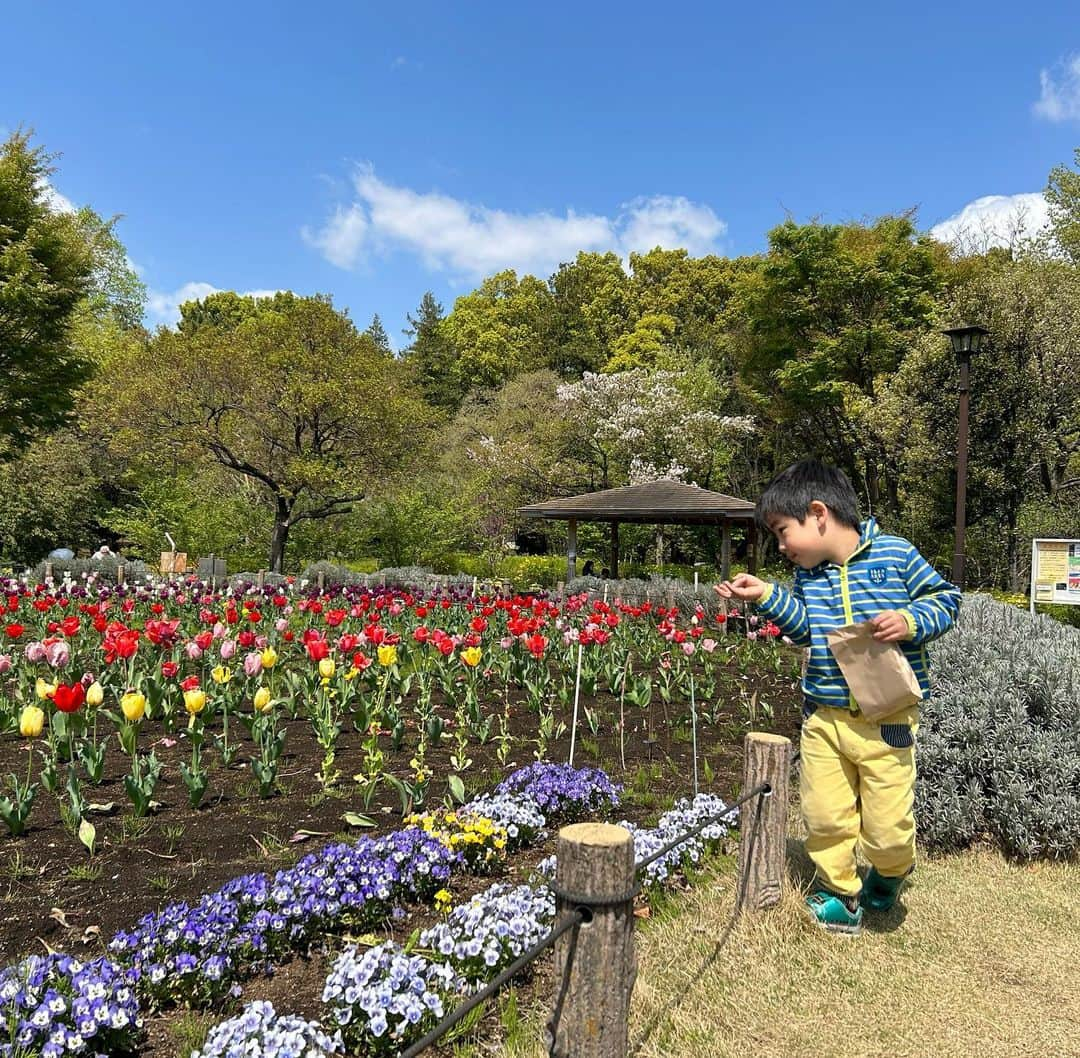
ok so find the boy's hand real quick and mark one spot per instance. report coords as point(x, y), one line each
point(890, 626)
point(744, 586)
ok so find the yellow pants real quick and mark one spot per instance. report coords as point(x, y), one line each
point(856, 787)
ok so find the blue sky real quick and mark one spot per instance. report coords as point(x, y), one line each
point(374, 151)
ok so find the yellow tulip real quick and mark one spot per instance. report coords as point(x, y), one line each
point(220, 674)
point(44, 690)
point(95, 694)
point(387, 655)
point(133, 705)
point(471, 656)
point(195, 701)
point(269, 658)
point(261, 702)
point(31, 721)
point(326, 668)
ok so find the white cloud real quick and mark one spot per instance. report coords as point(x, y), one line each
point(467, 239)
point(995, 220)
point(162, 307)
point(1060, 96)
point(57, 202)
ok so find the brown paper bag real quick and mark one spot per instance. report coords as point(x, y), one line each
point(879, 676)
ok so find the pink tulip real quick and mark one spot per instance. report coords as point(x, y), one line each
point(193, 650)
point(688, 648)
point(252, 664)
point(35, 652)
point(506, 642)
point(58, 654)
point(228, 649)
point(262, 642)
point(219, 630)
point(5, 663)
point(708, 645)
point(281, 624)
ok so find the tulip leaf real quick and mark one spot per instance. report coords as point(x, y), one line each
point(457, 788)
point(356, 819)
point(88, 835)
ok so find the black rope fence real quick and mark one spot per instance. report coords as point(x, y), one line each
point(572, 921)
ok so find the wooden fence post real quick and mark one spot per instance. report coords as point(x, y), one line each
point(260, 579)
point(320, 581)
point(595, 865)
point(48, 572)
point(119, 574)
point(763, 821)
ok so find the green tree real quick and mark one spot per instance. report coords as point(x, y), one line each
point(47, 269)
point(503, 328)
point(1063, 197)
point(377, 333)
point(830, 312)
point(593, 306)
point(293, 399)
point(1024, 448)
point(431, 355)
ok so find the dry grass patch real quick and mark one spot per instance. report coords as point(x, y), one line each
point(981, 958)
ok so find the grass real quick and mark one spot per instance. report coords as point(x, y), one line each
point(190, 1030)
point(85, 872)
point(979, 958)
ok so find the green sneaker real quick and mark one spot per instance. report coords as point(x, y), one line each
point(879, 893)
point(837, 914)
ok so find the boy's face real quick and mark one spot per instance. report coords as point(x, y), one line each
point(802, 542)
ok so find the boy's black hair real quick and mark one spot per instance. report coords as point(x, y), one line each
point(791, 492)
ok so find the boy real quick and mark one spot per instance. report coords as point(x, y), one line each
point(858, 777)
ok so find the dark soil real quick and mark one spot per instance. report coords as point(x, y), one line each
point(56, 897)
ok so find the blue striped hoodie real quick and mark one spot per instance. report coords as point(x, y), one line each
point(884, 573)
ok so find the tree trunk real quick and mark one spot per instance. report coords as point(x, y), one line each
point(282, 525)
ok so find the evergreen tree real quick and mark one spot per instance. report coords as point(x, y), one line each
point(377, 333)
point(432, 355)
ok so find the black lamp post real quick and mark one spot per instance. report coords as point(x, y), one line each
point(966, 341)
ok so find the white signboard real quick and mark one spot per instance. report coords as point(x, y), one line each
point(1055, 572)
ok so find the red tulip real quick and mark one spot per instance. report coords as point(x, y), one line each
point(317, 649)
point(69, 699)
point(169, 669)
point(13, 631)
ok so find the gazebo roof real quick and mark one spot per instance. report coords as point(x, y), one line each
point(664, 502)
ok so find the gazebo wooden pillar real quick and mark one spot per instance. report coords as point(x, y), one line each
point(614, 567)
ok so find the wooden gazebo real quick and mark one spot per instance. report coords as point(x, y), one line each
point(663, 502)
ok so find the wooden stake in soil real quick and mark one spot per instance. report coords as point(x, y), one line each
point(596, 962)
point(766, 758)
point(693, 729)
point(622, 713)
point(577, 696)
